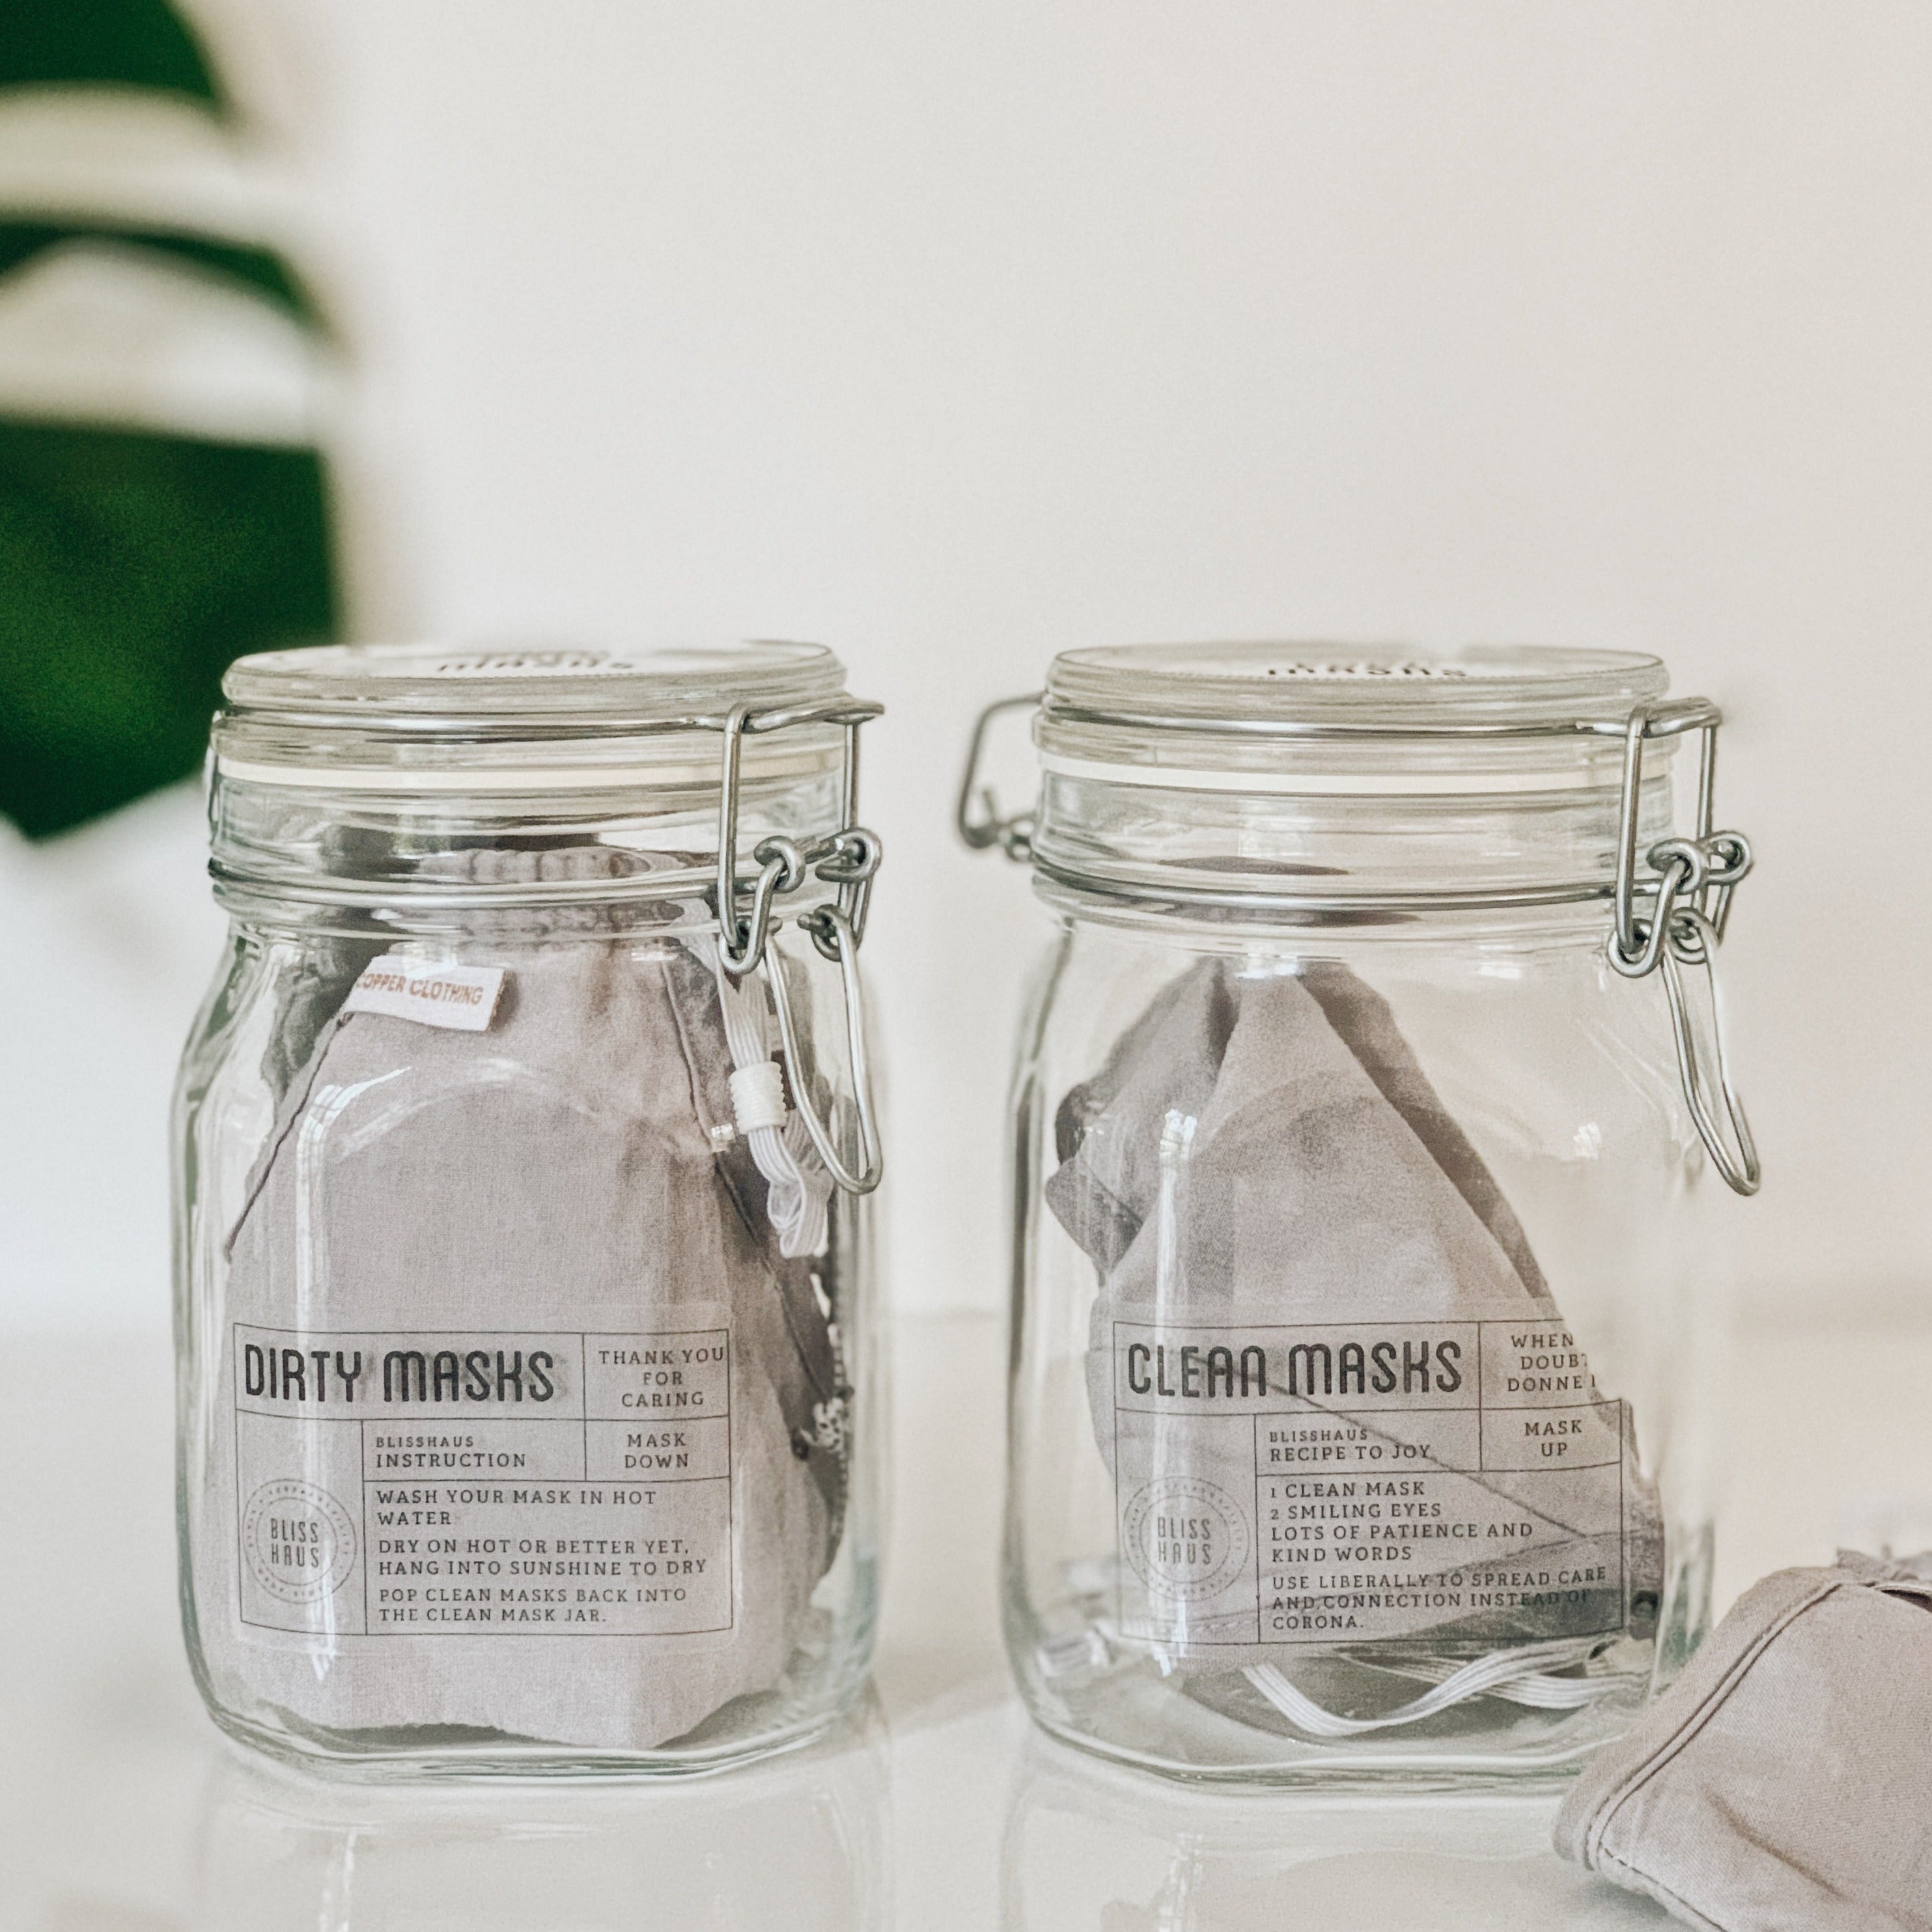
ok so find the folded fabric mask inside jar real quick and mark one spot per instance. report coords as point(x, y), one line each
point(1335, 1503)
point(537, 1328)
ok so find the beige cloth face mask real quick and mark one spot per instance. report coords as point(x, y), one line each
point(1785, 1780)
point(1311, 1289)
point(538, 1429)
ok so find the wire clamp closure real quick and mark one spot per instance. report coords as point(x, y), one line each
point(847, 860)
point(1671, 903)
point(1672, 916)
point(977, 815)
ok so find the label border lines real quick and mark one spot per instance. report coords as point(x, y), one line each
point(438, 1476)
point(1623, 1528)
point(583, 1482)
point(240, 1550)
point(730, 1489)
point(466, 1328)
point(365, 1555)
point(1120, 1500)
point(1482, 1410)
point(1154, 1321)
point(543, 1630)
point(1344, 1415)
point(1256, 1538)
point(1356, 1423)
point(328, 1628)
point(1341, 1641)
point(315, 1412)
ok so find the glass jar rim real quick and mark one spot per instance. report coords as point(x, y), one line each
point(1368, 690)
point(428, 720)
point(337, 772)
point(1349, 780)
point(431, 685)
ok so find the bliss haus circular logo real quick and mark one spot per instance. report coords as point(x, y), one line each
point(1187, 1538)
point(298, 1539)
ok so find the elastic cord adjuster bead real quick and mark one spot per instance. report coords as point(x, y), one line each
point(758, 1096)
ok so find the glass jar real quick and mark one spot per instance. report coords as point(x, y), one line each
point(528, 1403)
point(1359, 1399)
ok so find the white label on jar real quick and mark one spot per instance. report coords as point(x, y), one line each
point(463, 997)
point(1337, 1484)
point(456, 1482)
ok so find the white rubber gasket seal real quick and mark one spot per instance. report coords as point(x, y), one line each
point(1327, 785)
point(406, 779)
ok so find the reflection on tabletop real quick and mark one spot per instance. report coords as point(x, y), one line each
point(805, 1842)
point(122, 1811)
point(1090, 1846)
point(802, 1842)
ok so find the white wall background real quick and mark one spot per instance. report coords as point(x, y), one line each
point(954, 332)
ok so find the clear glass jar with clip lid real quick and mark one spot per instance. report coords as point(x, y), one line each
point(1360, 1424)
point(527, 1388)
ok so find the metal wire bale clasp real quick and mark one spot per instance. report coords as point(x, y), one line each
point(1671, 903)
point(847, 860)
point(1674, 920)
point(977, 814)
point(831, 932)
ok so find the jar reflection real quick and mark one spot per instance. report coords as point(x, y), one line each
point(801, 1843)
point(1089, 1849)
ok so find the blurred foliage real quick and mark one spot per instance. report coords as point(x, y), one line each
point(259, 269)
point(136, 564)
point(103, 43)
point(133, 567)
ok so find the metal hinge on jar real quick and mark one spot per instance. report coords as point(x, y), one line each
point(977, 814)
point(1673, 917)
point(1668, 917)
point(848, 859)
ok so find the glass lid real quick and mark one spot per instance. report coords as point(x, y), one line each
point(359, 773)
point(566, 685)
point(1351, 687)
point(1217, 772)
point(437, 718)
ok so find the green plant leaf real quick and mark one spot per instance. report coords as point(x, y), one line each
point(259, 269)
point(134, 567)
point(103, 43)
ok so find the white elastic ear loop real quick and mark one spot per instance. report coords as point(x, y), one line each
point(1521, 1676)
point(799, 1188)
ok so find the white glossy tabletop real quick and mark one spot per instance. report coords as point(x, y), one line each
point(121, 1811)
